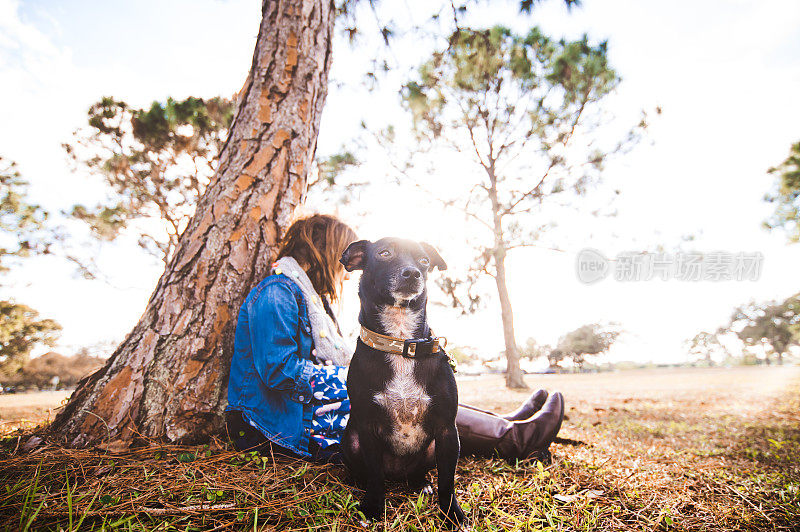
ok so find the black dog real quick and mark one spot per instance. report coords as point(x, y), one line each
point(403, 395)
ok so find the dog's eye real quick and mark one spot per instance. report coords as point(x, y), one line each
point(424, 261)
point(385, 253)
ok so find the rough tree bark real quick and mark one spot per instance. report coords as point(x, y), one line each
point(167, 380)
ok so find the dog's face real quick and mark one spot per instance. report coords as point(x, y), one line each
point(393, 268)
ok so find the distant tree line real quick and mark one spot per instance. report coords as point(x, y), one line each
point(51, 371)
point(767, 331)
point(578, 347)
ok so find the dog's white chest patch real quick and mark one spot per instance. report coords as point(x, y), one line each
point(399, 321)
point(406, 402)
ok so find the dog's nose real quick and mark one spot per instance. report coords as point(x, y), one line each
point(411, 272)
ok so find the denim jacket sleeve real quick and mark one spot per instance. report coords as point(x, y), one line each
point(274, 322)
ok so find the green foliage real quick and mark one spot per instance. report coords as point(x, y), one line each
point(786, 195)
point(461, 354)
point(20, 330)
point(331, 167)
point(555, 357)
point(487, 81)
point(773, 326)
point(330, 182)
point(21, 223)
point(526, 6)
point(349, 24)
point(587, 340)
point(156, 163)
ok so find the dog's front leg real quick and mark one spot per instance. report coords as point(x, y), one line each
point(447, 449)
point(373, 502)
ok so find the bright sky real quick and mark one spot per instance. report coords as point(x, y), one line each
point(726, 74)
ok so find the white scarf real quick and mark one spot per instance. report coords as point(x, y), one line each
point(328, 343)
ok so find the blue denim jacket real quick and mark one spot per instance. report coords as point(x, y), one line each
point(271, 369)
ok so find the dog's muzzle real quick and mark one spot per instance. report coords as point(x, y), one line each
point(407, 284)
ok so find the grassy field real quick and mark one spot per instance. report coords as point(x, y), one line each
point(693, 449)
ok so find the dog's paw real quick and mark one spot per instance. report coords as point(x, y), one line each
point(454, 517)
point(372, 509)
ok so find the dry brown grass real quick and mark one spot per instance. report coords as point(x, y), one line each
point(704, 449)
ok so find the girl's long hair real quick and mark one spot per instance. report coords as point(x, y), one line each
point(317, 242)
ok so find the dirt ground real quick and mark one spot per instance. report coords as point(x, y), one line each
point(30, 408)
point(746, 393)
point(669, 449)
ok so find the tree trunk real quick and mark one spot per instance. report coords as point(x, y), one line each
point(167, 381)
point(513, 371)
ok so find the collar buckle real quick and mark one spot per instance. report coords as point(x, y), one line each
point(410, 346)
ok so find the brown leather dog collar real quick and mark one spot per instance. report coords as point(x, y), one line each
point(410, 348)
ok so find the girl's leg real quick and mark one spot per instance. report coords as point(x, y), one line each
point(246, 437)
point(531, 405)
point(486, 434)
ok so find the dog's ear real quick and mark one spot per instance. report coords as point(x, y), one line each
point(355, 255)
point(436, 259)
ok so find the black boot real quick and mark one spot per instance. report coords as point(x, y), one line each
point(531, 405)
point(486, 434)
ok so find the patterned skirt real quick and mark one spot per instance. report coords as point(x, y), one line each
point(331, 405)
